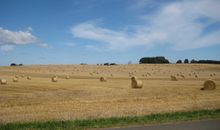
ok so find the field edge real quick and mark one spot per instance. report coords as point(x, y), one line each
point(116, 121)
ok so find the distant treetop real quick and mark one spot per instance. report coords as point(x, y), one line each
point(154, 60)
point(14, 64)
point(186, 61)
point(179, 61)
point(205, 61)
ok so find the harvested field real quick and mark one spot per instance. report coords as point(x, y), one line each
point(83, 96)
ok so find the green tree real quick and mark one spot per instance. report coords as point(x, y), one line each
point(186, 61)
point(179, 61)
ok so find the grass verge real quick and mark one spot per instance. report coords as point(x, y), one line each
point(114, 121)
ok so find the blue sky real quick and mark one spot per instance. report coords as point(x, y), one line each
point(98, 31)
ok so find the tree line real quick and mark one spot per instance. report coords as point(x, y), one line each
point(154, 60)
point(14, 64)
point(193, 61)
point(163, 60)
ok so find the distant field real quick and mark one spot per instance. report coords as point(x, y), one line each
point(83, 96)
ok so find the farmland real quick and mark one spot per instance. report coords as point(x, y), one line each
point(83, 96)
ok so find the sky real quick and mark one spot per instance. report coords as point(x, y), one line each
point(99, 31)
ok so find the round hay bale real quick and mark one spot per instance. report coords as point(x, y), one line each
point(173, 78)
point(67, 77)
point(182, 76)
point(136, 83)
point(54, 79)
point(29, 78)
point(15, 79)
point(196, 76)
point(209, 85)
point(103, 79)
point(3, 81)
point(134, 78)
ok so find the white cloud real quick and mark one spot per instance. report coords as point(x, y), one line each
point(44, 45)
point(9, 39)
point(91, 31)
point(6, 47)
point(116, 40)
point(174, 23)
point(16, 38)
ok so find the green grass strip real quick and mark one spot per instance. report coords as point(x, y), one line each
point(114, 121)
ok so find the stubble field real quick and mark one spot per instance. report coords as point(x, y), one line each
point(83, 96)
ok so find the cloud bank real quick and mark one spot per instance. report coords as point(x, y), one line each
point(10, 39)
point(181, 25)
